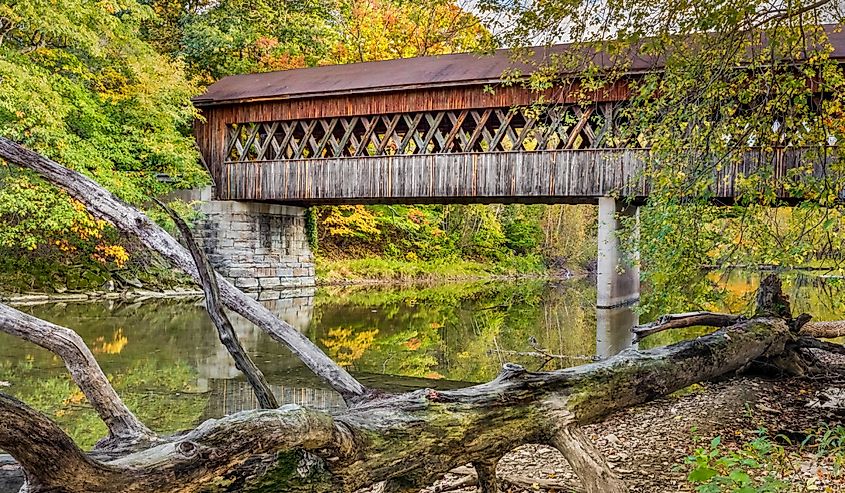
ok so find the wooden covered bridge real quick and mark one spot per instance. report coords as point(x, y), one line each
point(418, 130)
point(428, 129)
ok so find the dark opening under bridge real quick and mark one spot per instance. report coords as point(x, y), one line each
point(419, 130)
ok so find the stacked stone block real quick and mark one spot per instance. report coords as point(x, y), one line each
point(257, 246)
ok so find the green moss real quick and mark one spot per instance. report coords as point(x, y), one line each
point(284, 475)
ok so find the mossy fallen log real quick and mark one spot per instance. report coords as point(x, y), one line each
point(414, 437)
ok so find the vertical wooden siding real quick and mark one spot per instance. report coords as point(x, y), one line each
point(435, 177)
point(543, 176)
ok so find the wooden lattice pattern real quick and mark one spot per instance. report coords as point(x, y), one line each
point(484, 130)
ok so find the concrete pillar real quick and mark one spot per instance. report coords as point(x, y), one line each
point(257, 246)
point(618, 278)
point(618, 283)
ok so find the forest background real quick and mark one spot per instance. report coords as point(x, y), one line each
point(104, 87)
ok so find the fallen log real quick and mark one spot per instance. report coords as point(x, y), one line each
point(826, 330)
point(415, 437)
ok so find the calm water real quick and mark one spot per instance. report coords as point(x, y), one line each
point(165, 360)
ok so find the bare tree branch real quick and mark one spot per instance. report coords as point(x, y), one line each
point(124, 427)
point(228, 336)
point(683, 320)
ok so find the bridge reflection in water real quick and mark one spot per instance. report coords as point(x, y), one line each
point(231, 396)
point(292, 383)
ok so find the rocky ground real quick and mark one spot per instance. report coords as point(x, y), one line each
point(648, 445)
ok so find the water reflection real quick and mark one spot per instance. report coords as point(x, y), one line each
point(613, 330)
point(165, 360)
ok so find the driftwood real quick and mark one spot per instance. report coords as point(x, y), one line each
point(407, 441)
point(826, 330)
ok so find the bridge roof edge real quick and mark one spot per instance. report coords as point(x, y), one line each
point(406, 74)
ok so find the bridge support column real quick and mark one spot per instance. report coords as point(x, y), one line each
point(618, 283)
point(257, 246)
point(618, 278)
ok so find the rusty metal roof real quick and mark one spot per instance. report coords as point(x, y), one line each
point(460, 69)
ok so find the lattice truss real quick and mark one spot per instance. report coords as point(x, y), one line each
point(484, 130)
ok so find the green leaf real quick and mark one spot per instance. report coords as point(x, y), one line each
point(701, 474)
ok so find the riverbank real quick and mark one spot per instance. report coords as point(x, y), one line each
point(348, 272)
point(130, 295)
point(760, 424)
point(378, 270)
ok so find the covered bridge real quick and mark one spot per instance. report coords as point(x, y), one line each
point(418, 130)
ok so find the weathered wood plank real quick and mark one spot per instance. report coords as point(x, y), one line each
point(539, 176)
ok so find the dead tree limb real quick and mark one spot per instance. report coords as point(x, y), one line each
point(227, 334)
point(587, 461)
point(48, 456)
point(130, 221)
point(416, 437)
point(813, 343)
point(684, 320)
point(826, 330)
point(124, 427)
